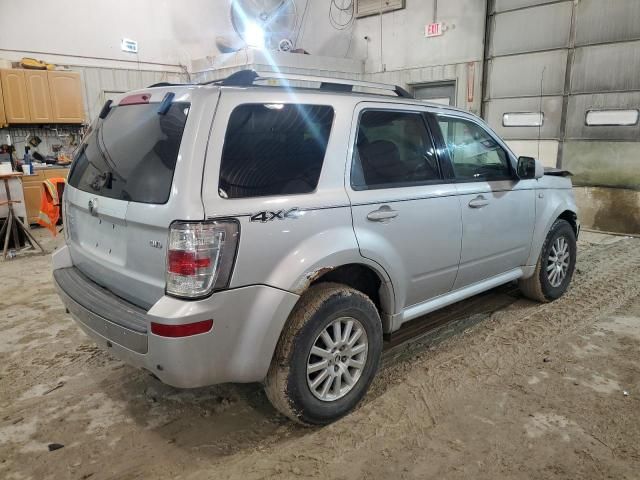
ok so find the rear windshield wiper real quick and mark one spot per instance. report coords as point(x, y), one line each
point(105, 109)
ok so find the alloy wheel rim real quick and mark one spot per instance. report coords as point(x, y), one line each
point(558, 262)
point(337, 359)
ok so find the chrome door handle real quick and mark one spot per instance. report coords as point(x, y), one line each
point(383, 214)
point(478, 202)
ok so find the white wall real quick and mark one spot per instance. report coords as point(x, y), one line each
point(404, 44)
point(87, 34)
point(169, 33)
point(172, 33)
point(407, 57)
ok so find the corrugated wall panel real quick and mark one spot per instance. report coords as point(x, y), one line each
point(606, 68)
point(96, 81)
point(580, 104)
point(438, 73)
point(521, 75)
point(551, 106)
point(599, 21)
point(532, 29)
point(92, 88)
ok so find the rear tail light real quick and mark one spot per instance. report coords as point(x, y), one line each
point(200, 257)
point(184, 330)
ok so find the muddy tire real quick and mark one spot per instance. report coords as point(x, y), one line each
point(555, 266)
point(327, 355)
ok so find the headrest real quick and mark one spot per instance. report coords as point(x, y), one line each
point(381, 162)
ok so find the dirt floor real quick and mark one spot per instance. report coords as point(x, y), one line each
point(507, 389)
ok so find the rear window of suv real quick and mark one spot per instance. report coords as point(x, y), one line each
point(131, 154)
point(274, 149)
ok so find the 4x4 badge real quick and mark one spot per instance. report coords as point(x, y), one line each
point(267, 216)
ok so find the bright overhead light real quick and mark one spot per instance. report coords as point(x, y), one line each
point(254, 35)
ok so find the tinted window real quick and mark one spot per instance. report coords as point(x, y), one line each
point(274, 149)
point(393, 149)
point(475, 155)
point(131, 154)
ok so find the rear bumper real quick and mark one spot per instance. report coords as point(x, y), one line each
point(246, 326)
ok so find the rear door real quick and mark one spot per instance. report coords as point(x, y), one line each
point(132, 176)
point(275, 162)
point(498, 210)
point(406, 216)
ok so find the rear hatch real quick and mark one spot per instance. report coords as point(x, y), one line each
point(138, 170)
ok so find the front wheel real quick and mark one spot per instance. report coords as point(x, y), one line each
point(555, 266)
point(327, 355)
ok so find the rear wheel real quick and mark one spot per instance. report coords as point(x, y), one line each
point(555, 266)
point(327, 356)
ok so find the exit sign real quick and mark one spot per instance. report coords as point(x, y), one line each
point(433, 30)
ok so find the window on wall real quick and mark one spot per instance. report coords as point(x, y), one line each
point(475, 155)
point(523, 119)
point(611, 118)
point(393, 149)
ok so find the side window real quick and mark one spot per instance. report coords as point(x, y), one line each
point(393, 149)
point(274, 149)
point(474, 154)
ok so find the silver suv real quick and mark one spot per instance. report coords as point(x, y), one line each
point(239, 232)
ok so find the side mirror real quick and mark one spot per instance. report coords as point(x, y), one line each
point(529, 168)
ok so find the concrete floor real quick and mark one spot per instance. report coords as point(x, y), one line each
point(508, 389)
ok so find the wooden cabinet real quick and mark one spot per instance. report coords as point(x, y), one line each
point(3, 117)
point(32, 187)
point(14, 90)
point(65, 90)
point(38, 96)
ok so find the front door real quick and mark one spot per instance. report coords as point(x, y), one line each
point(405, 216)
point(498, 210)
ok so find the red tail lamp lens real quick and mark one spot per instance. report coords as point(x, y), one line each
point(186, 330)
point(185, 263)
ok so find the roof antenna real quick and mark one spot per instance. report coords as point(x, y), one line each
point(540, 110)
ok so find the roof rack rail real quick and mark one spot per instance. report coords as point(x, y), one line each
point(166, 84)
point(246, 78)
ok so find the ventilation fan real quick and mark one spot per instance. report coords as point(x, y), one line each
point(264, 23)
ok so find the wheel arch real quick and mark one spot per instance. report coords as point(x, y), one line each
point(557, 204)
point(371, 280)
point(571, 217)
